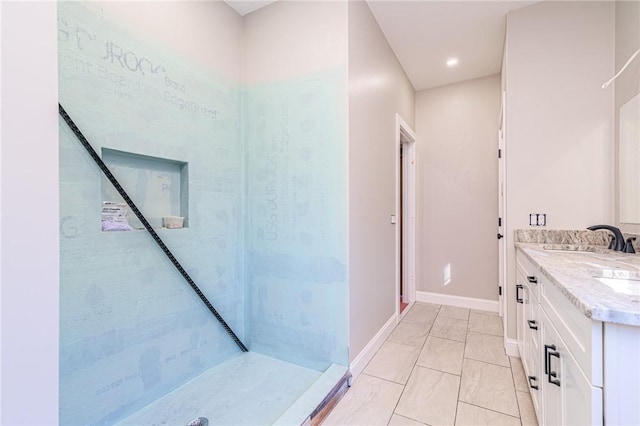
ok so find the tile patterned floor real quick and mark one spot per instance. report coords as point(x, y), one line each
point(442, 365)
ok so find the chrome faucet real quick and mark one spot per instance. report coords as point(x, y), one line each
point(617, 243)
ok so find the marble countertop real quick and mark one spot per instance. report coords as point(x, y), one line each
point(576, 274)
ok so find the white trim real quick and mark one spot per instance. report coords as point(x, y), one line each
point(363, 358)
point(502, 207)
point(511, 347)
point(460, 301)
point(404, 132)
point(404, 313)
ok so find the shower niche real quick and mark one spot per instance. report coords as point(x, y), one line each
point(158, 186)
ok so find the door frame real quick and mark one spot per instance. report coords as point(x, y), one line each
point(502, 213)
point(405, 136)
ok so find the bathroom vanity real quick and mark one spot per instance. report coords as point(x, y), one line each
point(578, 332)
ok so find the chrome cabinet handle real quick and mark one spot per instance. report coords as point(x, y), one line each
point(533, 325)
point(532, 279)
point(531, 385)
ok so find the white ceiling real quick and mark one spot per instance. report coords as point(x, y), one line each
point(247, 6)
point(425, 33)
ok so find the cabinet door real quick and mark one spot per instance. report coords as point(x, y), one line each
point(551, 406)
point(568, 396)
point(582, 402)
point(535, 376)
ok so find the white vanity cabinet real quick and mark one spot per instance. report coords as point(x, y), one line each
point(528, 326)
point(561, 351)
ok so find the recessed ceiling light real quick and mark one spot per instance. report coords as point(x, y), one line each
point(452, 62)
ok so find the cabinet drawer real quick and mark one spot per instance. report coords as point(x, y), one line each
point(582, 335)
point(531, 273)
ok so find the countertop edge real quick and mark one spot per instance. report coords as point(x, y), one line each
point(598, 312)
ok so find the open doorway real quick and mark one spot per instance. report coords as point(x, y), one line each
point(405, 218)
point(502, 247)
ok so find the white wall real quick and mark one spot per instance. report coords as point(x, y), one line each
point(628, 84)
point(287, 40)
point(559, 133)
point(378, 89)
point(296, 142)
point(458, 188)
point(29, 222)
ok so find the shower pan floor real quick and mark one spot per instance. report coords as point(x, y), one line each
point(248, 389)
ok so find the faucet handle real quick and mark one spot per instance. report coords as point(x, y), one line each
point(628, 247)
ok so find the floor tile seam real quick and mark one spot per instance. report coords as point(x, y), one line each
point(429, 324)
point(446, 338)
point(459, 386)
point(489, 409)
point(513, 379)
point(464, 350)
point(464, 353)
point(486, 315)
point(415, 322)
point(396, 343)
point(378, 351)
point(404, 388)
point(492, 363)
point(380, 378)
point(494, 410)
point(413, 367)
point(461, 319)
point(475, 331)
point(420, 348)
point(408, 418)
point(386, 380)
point(484, 334)
point(495, 365)
point(441, 371)
point(514, 389)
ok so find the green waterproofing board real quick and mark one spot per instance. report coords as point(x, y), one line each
point(262, 186)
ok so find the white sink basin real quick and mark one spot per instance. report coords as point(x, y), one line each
point(627, 286)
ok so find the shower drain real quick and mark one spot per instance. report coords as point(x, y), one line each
point(200, 421)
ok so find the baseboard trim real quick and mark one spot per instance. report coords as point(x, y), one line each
point(460, 301)
point(363, 358)
point(511, 347)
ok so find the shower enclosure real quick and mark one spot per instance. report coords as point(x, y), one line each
point(258, 172)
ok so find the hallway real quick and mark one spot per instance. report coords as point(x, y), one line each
point(441, 365)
